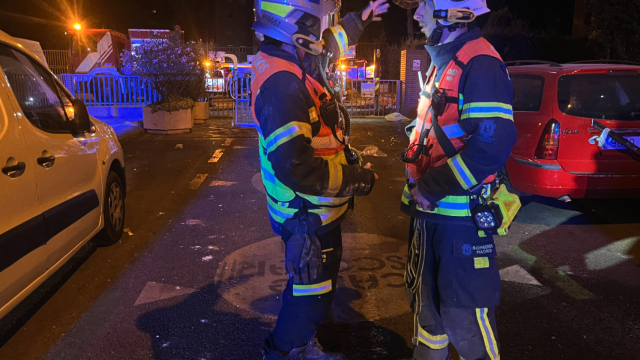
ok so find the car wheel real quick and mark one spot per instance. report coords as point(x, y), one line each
point(113, 211)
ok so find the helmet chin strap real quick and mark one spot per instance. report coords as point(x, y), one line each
point(436, 35)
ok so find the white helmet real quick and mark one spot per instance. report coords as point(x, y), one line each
point(478, 7)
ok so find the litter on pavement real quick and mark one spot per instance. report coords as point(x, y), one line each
point(396, 117)
point(372, 151)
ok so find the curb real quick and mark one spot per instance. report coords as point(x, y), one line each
point(130, 134)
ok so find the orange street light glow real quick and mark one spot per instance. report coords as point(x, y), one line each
point(207, 64)
point(77, 26)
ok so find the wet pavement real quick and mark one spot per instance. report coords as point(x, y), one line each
point(199, 273)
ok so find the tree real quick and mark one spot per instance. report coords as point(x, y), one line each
point(614, 27)
point(171, 67)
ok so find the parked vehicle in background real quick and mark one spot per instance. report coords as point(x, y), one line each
point(63, 177)
point(554, 105)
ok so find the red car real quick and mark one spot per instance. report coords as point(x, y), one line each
point(554, 105)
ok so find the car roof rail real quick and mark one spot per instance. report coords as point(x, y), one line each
point(531, 62)
point(621, 62)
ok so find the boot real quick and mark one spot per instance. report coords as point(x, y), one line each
point(313, 351)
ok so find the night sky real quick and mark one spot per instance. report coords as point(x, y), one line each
point(47, 20)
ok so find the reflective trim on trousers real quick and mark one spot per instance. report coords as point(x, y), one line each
point(487, 334)
point(435, 342)
point(315, 289)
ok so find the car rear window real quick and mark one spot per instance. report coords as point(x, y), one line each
point(527, 92)
point(611, 96)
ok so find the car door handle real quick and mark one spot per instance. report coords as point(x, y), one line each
point(14, 171)
point(46, 161)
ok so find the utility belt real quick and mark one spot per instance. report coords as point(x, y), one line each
point(497, 207)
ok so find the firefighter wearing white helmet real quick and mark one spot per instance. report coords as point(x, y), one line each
point(309, 172)
point(462, 137)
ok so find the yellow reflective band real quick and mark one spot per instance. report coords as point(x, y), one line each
point(335, 179)
point(487, 334)
point(325, 201)
point(449, 206)
point(286, 133)
point(341, 38)
point(313, 115)
point(461, 172)
point(308, 290)
point(487, 110)
point(481, 263)
point(329, 215)
point(278, 9)
point(435, 342)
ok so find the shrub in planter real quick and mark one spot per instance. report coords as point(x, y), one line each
point(171, 68)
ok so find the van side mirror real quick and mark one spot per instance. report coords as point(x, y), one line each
point(81, 120)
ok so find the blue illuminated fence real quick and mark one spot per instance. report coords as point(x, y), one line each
point(110, 90)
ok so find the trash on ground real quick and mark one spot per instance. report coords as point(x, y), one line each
point(396, 117)
point(128, 231)
point(222, 183)
point(213, 247)
point(372, 151)
point(179, 146)
point(370, 133)
point(207, 258)
point(194, 222)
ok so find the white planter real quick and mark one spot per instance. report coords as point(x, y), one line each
point(164, 122)
point(201, 112)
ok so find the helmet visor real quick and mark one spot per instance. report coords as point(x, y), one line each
point(407, 4)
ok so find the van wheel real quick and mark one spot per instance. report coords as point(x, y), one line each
point(113, 212)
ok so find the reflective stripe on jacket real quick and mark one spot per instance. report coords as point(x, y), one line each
point(455, 111)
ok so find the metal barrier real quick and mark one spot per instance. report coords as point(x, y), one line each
point(243, 115)
point(58, 61)
point(110, 90)
point(223, 100)
point(386, 101)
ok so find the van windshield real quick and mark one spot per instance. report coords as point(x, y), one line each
point(612, 96)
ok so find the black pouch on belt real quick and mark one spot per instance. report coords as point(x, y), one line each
point(303, 251)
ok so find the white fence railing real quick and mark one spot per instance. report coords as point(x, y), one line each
point(110, 90)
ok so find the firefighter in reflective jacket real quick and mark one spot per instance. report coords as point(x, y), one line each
point(308, 182)
point(463, 135)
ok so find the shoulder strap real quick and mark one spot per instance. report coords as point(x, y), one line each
point(443, 139)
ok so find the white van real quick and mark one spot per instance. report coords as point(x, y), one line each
point(62, 180)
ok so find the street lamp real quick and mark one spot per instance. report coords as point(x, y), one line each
point(77, 26)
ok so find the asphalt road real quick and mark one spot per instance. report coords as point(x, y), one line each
point(198, 274)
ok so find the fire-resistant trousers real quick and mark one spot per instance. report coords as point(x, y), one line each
point(453, 287)
point(305, 307)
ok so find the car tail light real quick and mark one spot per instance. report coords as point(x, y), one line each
point(549, 141)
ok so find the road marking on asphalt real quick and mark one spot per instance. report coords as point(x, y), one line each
point(517, 274)
point(559, 278)
point(216, 156)
point(222, 183)
point(241, 147)
point(227, 142)
point(154, 291)
point(611, 255)
point(197, 181)
point(370, 285)
point(400, 179)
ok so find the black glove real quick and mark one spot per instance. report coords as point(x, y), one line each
point(303, 251)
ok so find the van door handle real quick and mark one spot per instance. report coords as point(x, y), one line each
point(13, 171)
point(46, 161)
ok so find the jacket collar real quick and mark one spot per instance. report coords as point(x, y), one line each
point(279, 53)
point(443, 54)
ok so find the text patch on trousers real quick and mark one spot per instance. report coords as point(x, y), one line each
point(475, 249)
